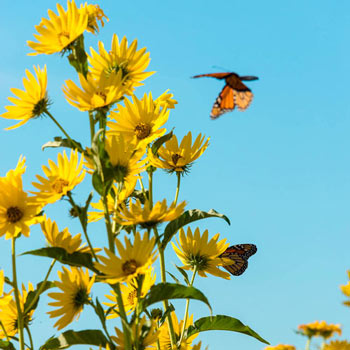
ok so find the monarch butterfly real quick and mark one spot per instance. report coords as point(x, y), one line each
point(239, 254)
point(234, 93)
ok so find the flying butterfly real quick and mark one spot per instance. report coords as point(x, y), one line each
point(239, 254)
point(234, 93)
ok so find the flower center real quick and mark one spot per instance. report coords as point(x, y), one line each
point(14, 214)
point(142, 130)
point(59, 185)
point(40, 107)
point(175, 157)
point(102, 95)
point(129, 267)
point(121, 172)
point(115, 68)
point(80, 298)
point(63, 38)
point(199, 261)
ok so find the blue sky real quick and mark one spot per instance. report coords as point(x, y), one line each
point(280, 170)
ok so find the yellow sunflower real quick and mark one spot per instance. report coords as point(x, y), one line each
point(125, 159)
point(139, 121)
point(9, 314)
point(4, 297)
point(95, 13)
point(129, 293)
point(138, 214)
point(59, 32)
point(130, 61)
point(346, 290)
point(18, 211)
point(31, 102)
point(61, 178)
point(319, 329)
point(145, 334)
point(337, 345)
point(199, 254)
point(280, 347)
point(135, 259)
point(186, 343)
point(62, 239)
point(174, 157)
point(95, 93)
point(75, 286)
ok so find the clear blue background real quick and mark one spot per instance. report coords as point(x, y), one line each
point(279, 171)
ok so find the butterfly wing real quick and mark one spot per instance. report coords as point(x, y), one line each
point(225, 102)
point(242, 99)
point(239, 254)
point(215, 75)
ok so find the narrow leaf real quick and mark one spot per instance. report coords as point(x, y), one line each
point(60, 142)
point(186, 218)
point(65, 340)
point(223, 323)
point(184, 274)
point(60, 254)
point(165, 291)
point(159, 142)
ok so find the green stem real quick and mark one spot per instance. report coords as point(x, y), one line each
point(308, 342)
point(30, 337)
point(83, 225)
point(178, 174)
point(187, 307)
point(150, 188)
point(103, 323)
point(18, 302)
point(64, 131)
point(92, 125)
point(42, 286)
point(108, 225)
point(163, 278)
point(122, 314)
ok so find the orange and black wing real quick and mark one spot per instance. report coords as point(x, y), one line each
point(225, 102)
point(215, 75)
point(239, 255)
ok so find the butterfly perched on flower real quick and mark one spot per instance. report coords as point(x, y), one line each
point(234, 93)
point(239, 254)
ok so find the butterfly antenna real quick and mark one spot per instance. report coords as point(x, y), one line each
point(221, 68)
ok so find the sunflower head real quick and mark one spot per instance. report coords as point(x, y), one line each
point(58, 33)
point(61, 178)
point(30, 103)
point(198, 254)
point(280, 347)
point(178, 158)
point(319, 329)
point(131, 62)
point(140, 121)
point(142, 214)
point(75, 285)
point(135, 258)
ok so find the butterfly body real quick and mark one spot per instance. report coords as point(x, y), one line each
point(239, 254)
point(234, 93)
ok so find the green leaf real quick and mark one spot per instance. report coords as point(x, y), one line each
point(222, 323)
point(173, 277)
point(32, 294)
point(184, 274)
point(186, 218)
point(159, 142)
point(60, 254)
point(60, 142)
point(100, 312)
point(165, 291)
point(6, 345)
point(69, 338)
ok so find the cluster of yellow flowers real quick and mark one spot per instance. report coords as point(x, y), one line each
point(131, 143)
